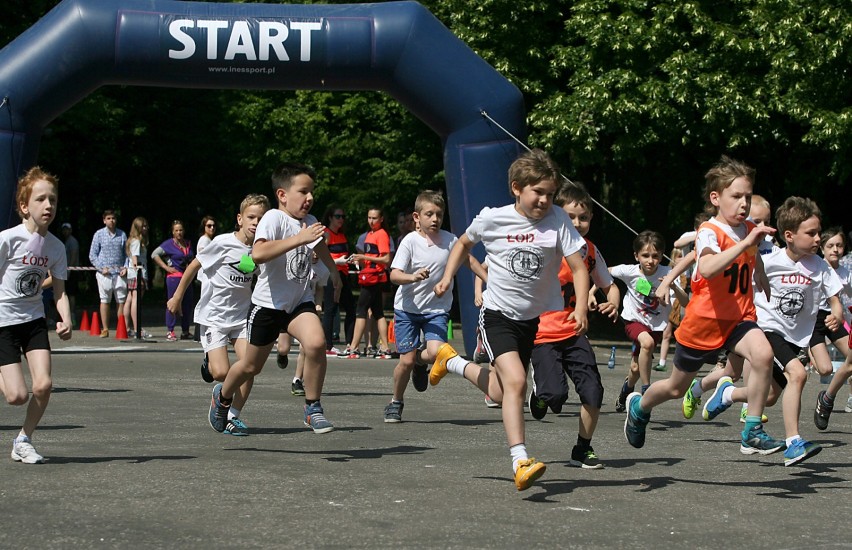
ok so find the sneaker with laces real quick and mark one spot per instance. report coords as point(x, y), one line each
point(491, 404)
point(297, 387)
point(146, 335)
point(218, 415)
point(480, 355)
point(235, 426)
point(315, 419)
point(760, 442)
point(822, 411)
point(621, 400)
point(744, 412)
point(538, 407)
point(23, 451)
point(205, 370)
point(800, 450)
point(420, 377)
point(282, 361)
point(714, 406)
point(690, 402)
point(848, 407)
point(170, 336)
point(528, 471)
point(350, 353)
point(393, 412)
point(185, 336)
point(384, 354)
point(585, 458)
point(332, 352)
point(439, 367)
point(131, 333)
point(635, 423)
point(371, 352)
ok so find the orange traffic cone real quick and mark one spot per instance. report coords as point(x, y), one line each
point(95, 329)
point(121, 329)
point(84, 322)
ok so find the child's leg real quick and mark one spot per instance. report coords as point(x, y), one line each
point(549, 382)
point(821, 360)
point(305, 327)
point(245, 368)
point(13, 385)
point(38, 361)
point(673, 387)
point(664, 346)
point(300, 363)
point(646, 353)
point(791, 403)
point(242, 394)
point(755, 348)
point(512, 378)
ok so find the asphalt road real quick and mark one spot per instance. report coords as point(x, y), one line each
point(133, 463)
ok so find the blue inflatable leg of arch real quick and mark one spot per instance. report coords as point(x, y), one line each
point(395, 47)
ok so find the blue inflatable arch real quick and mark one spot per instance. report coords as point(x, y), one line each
point(395, 47)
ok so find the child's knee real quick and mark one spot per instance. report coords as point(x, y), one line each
point(42, 388)
point(17, 398)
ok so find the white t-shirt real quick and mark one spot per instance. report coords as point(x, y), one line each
point(797, 288)
point(283, 282)
point(416, 252)
point(141, 254)
point(226, 292)
point(22, 272)
point(645, 309)
point(845, 277)
point(524, 259)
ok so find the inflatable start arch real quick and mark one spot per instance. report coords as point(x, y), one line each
point(395, 47)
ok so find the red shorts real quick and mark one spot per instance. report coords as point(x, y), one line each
point(634, 328)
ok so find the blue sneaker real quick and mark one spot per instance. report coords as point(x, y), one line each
point(714, 406)
point(218, 415)
point(760, 442)
point(315, 419)
point(235, 426)
point(634, 424)
point(800, 450)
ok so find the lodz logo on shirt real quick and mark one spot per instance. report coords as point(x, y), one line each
point(524, 238)
point(38, 261)
point(795, 279)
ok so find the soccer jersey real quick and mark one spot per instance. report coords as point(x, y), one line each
point(226, 292)
point(376, 244)
point(417, 252)
point(338, 247)
point(719, 304)
point(524, 259)
point(797, 288)
point(24, 265)
point(554, 326)
point(283, 282)
point(640, 302)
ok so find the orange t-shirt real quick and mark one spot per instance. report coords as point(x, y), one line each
point(719, 304)
point(554, 326)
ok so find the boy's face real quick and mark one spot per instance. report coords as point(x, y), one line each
point(429, 218)
point(833, 249)
point(759, 214)
point(805, 239)
point(649, 258)
point(248, 219)
point(41, 208)
point(734, 202)
point(298, 199)
point(534, 201)
point(110, 221)
point(580, 217)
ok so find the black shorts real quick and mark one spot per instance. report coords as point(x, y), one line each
point(264, 325)
point(370, 298)
point(551, 361)
point(26, 337)
point(784, 352)
point(501, 335)
point(821, 331)
point(691, 360)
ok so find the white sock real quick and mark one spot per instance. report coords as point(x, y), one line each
point(518, 452)
point(457, 364)
point(21, 437)
point(696, 388)
point(233, 413)
point(295, 379)
point(662, 362)
point(791, 439)
point(726, 395)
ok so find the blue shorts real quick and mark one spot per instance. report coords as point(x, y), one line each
point(407, 327)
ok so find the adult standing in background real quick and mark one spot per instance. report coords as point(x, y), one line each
point(108, 256)
point(338, 246)
point(173, 256)
point(72, 254)
point(206, 232)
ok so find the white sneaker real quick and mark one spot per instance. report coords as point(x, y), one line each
point(848, 407)
point(23, 451)
point(131, 333)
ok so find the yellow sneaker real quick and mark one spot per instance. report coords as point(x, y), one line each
point(529, 470)
point(439, 367)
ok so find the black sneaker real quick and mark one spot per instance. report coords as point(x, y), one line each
point(585, 458)
point(393, 412)
point(822, 412)
point(621, 401)
point(283, 361)
point(205, 370)
point(538, 407)
point(420, 377)
point(297, 388)
point(185, 336)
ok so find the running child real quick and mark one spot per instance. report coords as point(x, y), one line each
point(799, 280)
point(721, 312)
point(525, 243)
point(225, 300)
point(28, 252)
point(419, 264)
point(282, 299)
point(559, 350)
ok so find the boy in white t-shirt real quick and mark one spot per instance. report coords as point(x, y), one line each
point(525, 243)
point(419, 264)
point(225, 299)
point(798, 280)
point(282, 299)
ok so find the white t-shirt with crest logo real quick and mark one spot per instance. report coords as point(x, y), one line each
point(226, 292)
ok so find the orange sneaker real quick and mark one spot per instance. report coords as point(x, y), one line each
point(529, 470)
point(104, 333)
point(439, 367)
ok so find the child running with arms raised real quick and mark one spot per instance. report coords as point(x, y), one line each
point(225, 300)
point(28, 255)
point(525, 243)
point(283, 298)
point(721, 312)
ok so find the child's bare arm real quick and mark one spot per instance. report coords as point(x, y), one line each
point(454, 262)
point(835, 320)
point(265, 250)
point(63, 307)
point(582, 284)
point(610, 307)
